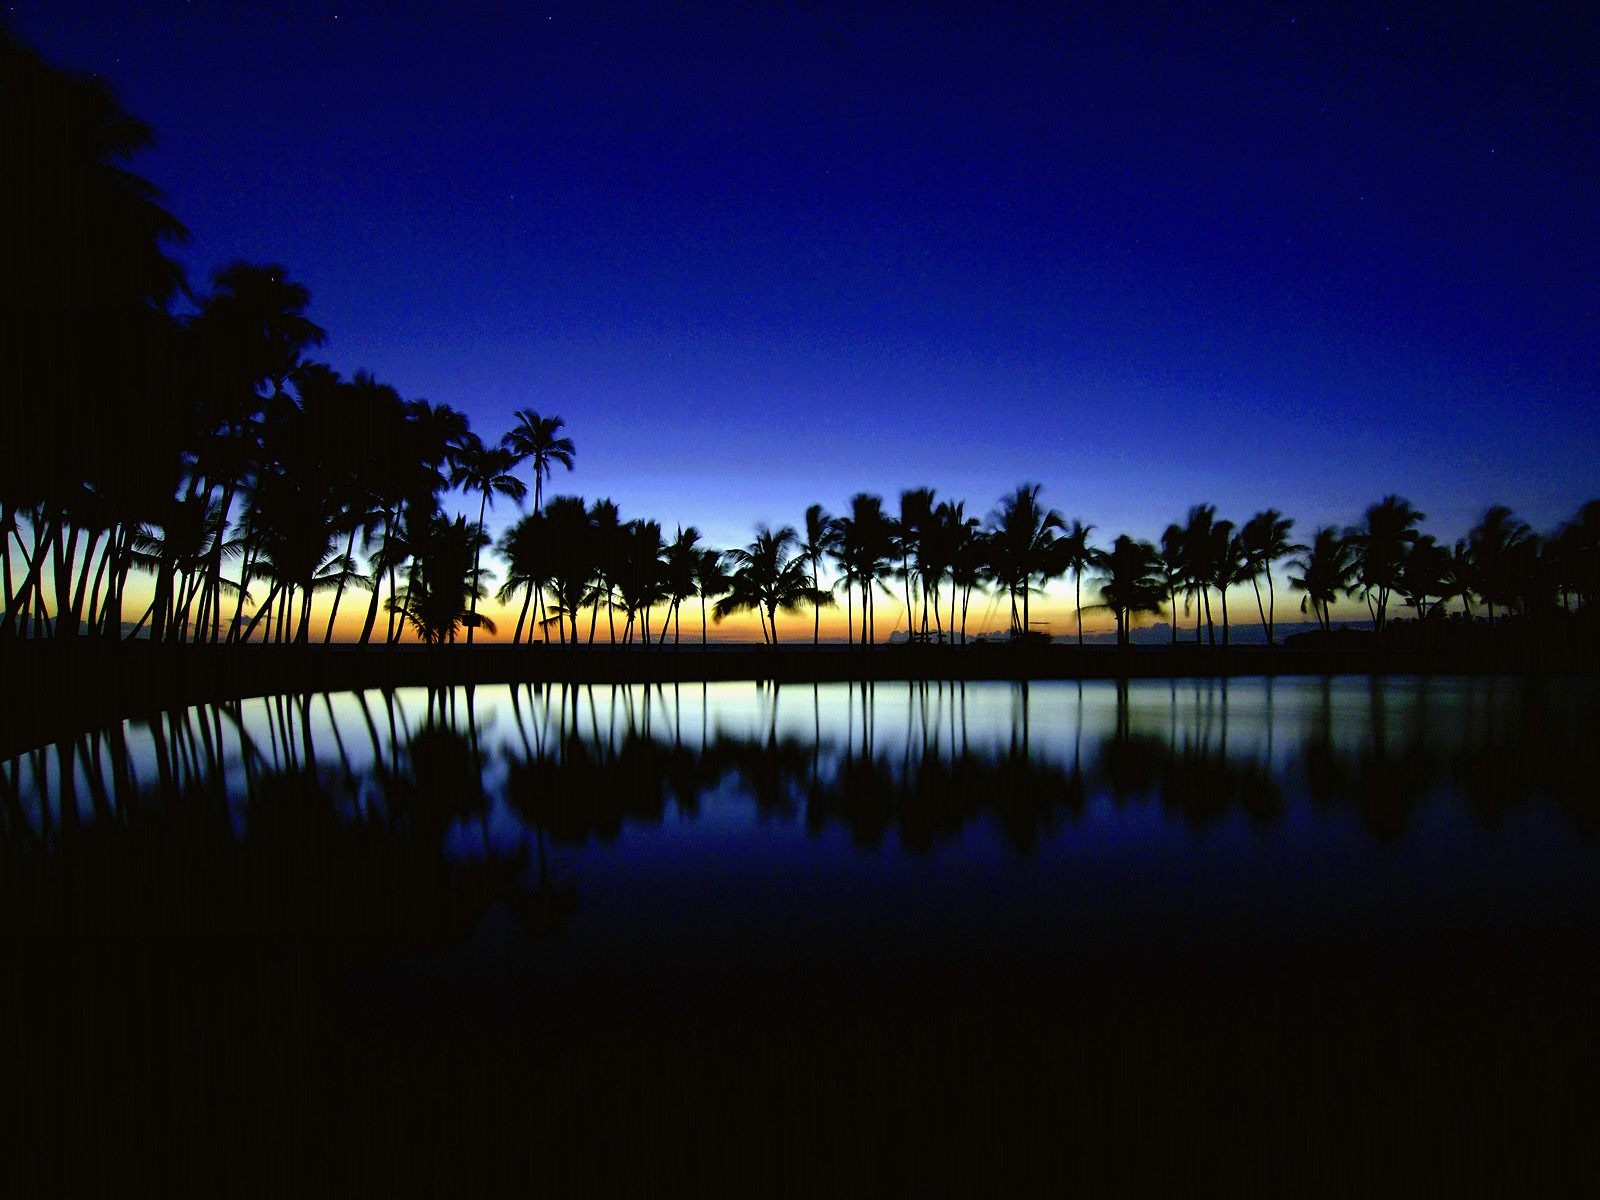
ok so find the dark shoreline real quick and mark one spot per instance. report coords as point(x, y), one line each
point(56, 690)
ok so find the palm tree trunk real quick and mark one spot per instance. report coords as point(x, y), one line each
point(344, 573)
point(30, 581)
point(477, 551)
point(1256, 584)
point(1077, 600)
point(263, 610)
point(816, 606)
point(516, 638)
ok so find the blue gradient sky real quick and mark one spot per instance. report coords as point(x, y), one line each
point(1286, 256)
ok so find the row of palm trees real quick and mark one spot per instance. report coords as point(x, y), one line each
point(931, 557)
point(205, 453)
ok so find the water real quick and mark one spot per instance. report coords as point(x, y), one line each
point(923, 822)
point(1291, 895)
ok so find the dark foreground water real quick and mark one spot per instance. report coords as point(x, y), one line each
point(925, 936)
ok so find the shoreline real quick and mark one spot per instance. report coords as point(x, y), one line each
point(59, 690)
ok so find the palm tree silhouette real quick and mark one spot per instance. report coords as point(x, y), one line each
point(486, 471)
point(442, 592)
point(1501, 550)
point(1077, 556)
point(769, 577)
point(640, 575)
point(572, 560)
point(1264, 540)
point(1133, 582)
point(863, 551)
point(1378, 546)
point(85, 265)
point(1204, 550)
point(681, 561)
point(1426, 571)
point(1020, 546)
point(526, 552)
point(711, 581)
point(821, 536)
point(1325, 567)
point(537, 440)
point(1174, 560)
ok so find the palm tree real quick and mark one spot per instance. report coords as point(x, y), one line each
point(1133, 582)
point(820, 538)
point(1265, 540)
point(537, 440)
point(1500, 548)
point(572, 560)
point(526, 551)
point(968, 562)
point(606, 536)
point(1021, 536)
point(681, 563)
point(1426, 571)
point(1229, 563)
point(1379, 546)
point(1174, 559)
point(486, 471)
point(1202, 562)
point(916, 512)
point(442, 592)
point(1325, 567)
point(863, 552)
point(640, 574)
point(711, 581)
point(1076, 555)
point(769, 577)
point(945, 540)
point(85, 265)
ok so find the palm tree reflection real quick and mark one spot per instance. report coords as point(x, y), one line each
point(396, 817)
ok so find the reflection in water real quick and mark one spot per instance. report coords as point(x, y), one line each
point(409, 813)
point(603, 925)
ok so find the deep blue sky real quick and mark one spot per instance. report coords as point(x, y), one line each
point(1286, 256)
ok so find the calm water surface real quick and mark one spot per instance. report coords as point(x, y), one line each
point(566, 830)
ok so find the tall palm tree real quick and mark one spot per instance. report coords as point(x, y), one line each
point(572, 560)
point(711, 580)
point(538, 440)
point(1133, 582)
point(1174, 560)
point(1075, 554)
point(968, 562)
point(441, 594)
point(1378, 546)
point(640, 576)
point(769, 577)
point(1022, 532)
point(1425, 572)
point(86, 264)
point(681, 563)
point(945, 540)
point(1326, 567)
point(525, 548)
point(1500, 549)
point(821, 535)
point(1265, 540)
point(1202, 547)
point(485, 470)
point(916, 512)
point(864, 550)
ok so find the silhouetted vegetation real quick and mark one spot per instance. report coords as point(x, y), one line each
point(199, 452)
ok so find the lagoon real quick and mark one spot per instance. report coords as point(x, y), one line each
point(1160, 880)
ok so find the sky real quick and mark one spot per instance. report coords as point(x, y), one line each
point(769, 255)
